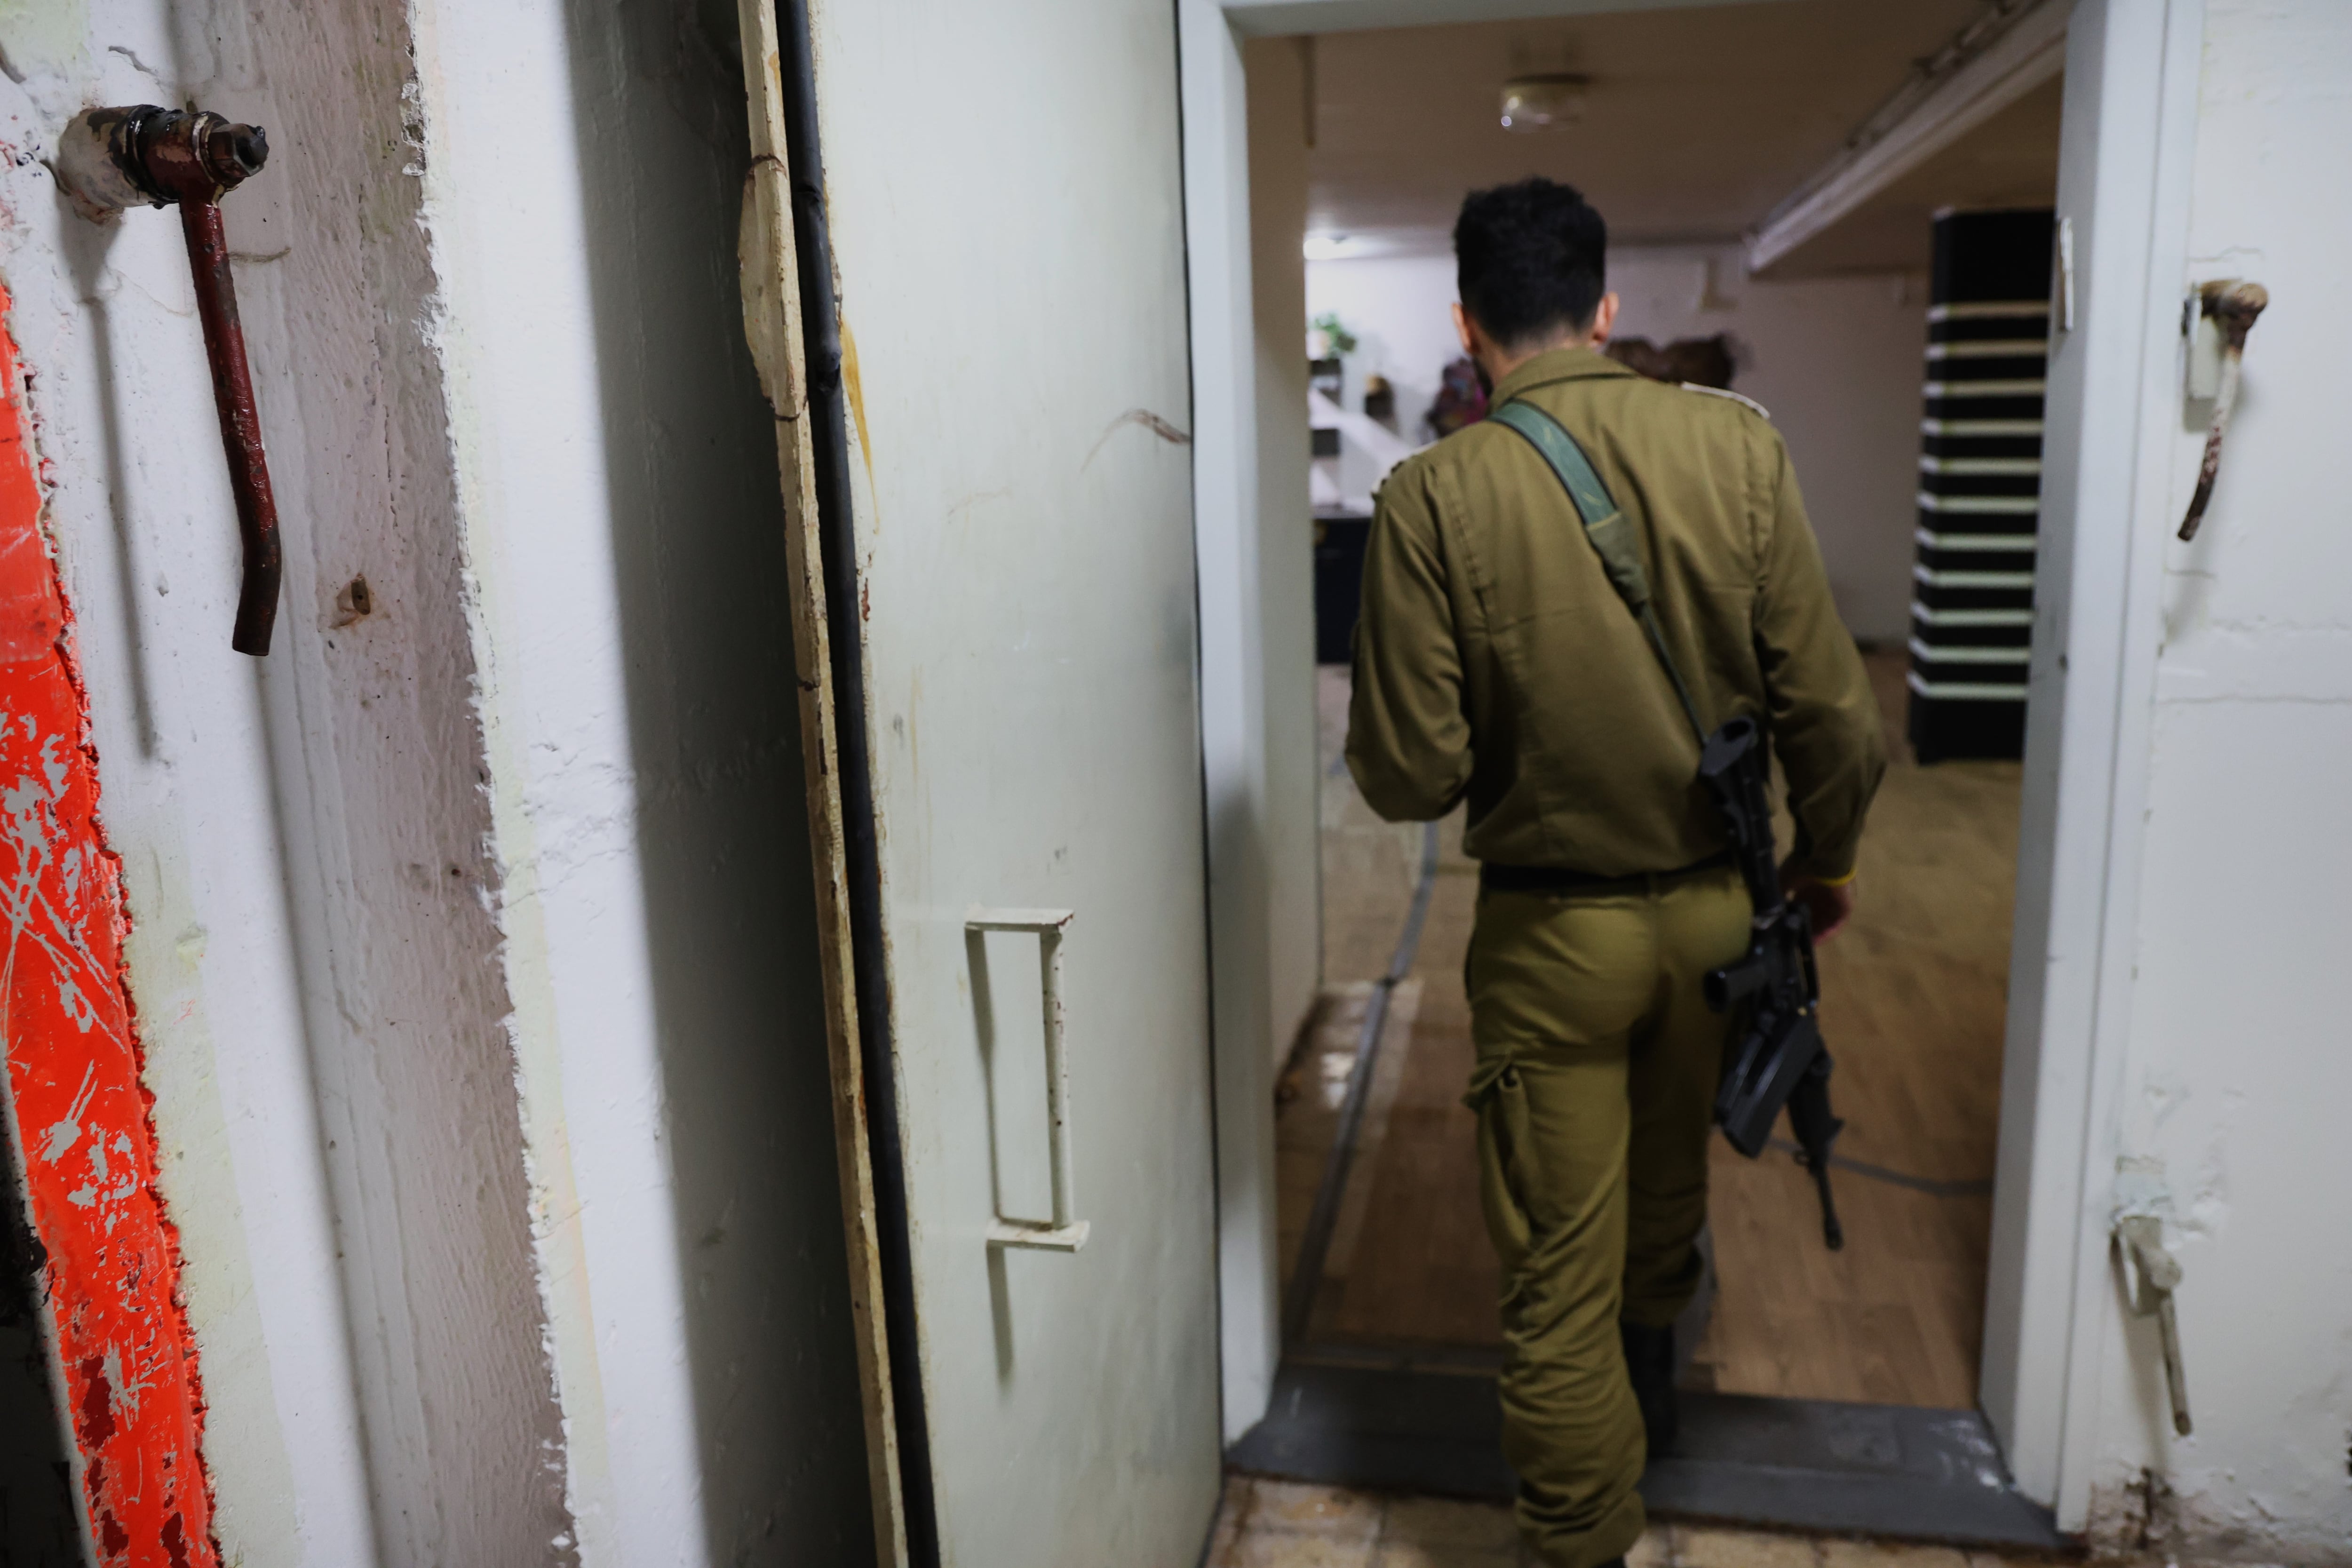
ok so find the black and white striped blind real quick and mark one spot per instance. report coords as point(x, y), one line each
point(1979, 484)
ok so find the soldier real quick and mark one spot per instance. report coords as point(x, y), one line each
point(1495, 664)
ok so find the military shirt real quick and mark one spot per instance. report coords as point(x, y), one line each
point(1494, 663)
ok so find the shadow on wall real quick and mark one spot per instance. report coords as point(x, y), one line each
point(699, 545)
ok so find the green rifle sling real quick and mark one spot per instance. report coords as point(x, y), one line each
point(1612, 536)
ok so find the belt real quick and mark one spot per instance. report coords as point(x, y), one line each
point(1556, 880)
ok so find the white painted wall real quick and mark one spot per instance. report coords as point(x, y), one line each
point(2130, 122)
point(1294, 903)
point(473, 943)
point(1230, 558)
point(2233, 1069)
point(1836, 360)
point(624, 529)
point(1398, 308)
point(324, 1083)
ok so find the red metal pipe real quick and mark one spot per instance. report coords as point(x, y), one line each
point(190, 158)
point(240, 425)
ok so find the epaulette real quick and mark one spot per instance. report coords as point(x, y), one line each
point(1755, 407)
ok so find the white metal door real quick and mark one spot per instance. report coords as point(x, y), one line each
point(1005, 209)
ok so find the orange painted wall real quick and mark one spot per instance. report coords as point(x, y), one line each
point(112, 1269)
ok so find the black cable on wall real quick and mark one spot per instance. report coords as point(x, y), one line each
point(837, 529)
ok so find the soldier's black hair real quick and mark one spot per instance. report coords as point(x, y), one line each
point(1529, 260)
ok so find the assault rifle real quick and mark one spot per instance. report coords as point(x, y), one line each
point(1778, 1057)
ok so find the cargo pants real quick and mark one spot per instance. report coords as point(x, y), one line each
point(1595, 1083)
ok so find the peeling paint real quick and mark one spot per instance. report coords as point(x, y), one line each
point(854, 387)
point(73, 1062)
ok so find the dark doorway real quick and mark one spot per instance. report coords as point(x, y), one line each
point(36, 1509)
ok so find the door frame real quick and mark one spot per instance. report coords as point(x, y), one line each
point(2129, 130)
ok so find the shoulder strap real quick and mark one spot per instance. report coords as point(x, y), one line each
point(1611, 535)
point(1741, 398)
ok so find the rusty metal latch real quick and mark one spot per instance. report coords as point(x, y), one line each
point(2231, 305)
point(109, 159)
point(2155, 1274)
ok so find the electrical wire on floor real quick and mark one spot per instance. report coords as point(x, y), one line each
point(1975, 1187)
point(1315, 1247)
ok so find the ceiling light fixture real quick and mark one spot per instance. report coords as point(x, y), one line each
point(1328, 246)
point(1539, 102)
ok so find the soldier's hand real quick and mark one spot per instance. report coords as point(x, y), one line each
point(1829, 905)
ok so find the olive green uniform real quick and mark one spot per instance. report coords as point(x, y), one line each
point(1496, 665)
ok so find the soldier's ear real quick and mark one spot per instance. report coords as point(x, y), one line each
point(1462, 328)
point(1604, 320)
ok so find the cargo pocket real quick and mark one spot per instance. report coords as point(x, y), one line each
point(1498, 1097)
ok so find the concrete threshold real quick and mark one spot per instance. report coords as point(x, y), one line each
point(1885, 1471)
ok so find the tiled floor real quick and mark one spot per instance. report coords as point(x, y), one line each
point(1282, 1524)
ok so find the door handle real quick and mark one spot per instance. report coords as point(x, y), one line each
point(1064, 1233)
point(2155, 1275)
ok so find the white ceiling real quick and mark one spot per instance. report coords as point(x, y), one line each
point(1695, 123)
point(1269, 18)
point(2010, 161)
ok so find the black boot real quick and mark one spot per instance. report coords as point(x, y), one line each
point(1650, 1363)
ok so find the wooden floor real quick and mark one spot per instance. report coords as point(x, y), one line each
point(1911, 1004)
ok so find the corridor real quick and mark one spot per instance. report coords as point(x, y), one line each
point(1912, 995)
